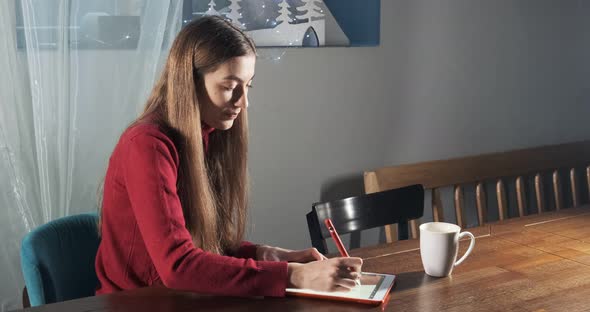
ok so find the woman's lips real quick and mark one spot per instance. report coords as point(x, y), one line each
point(230, 115)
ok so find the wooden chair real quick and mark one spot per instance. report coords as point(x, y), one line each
point(365, 212)
point(497, 168)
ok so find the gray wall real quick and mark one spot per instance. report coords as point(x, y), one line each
point(450, 78)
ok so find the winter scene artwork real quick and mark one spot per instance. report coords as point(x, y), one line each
point(272, 23)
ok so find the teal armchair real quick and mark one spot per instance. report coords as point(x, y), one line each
point(57, 259)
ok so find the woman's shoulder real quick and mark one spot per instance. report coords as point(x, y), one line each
point(144, 129)
point(147, 134)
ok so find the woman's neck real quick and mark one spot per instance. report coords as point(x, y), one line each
point(205, 131)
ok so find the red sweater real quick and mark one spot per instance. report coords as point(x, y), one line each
point(144, 238)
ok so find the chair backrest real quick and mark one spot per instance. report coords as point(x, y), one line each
point(500, 168)
point(365, 212)
point(57, 259)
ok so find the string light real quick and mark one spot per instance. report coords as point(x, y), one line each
point(273, 54)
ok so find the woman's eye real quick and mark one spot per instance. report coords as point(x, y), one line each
point(227, 88)
point(250, 86)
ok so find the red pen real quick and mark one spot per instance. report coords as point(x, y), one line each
point(338, 241)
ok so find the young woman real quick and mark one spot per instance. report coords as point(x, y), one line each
point(175, 192)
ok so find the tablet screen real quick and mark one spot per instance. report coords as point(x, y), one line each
point(373, 287)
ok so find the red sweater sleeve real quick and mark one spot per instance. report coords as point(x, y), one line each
point(246, 250)
point(149, 173)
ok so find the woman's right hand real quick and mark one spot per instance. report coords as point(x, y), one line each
point(336, 274)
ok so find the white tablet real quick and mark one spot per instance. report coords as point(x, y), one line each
point(374, 289)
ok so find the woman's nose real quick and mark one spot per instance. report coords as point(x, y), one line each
point(241, 98)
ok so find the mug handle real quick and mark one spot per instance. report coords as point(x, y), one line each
point(461, 235)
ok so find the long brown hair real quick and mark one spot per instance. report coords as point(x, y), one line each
point(212, 186)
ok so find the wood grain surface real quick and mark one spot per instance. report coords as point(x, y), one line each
point(535, 263)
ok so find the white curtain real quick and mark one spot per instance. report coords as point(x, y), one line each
point(73, 74)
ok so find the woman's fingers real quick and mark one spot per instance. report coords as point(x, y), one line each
point(353, 275)
point(347, 274)
point(353, 263)
point(337, 274)
point(306, 255)
point(346, 283)
point(316, 255)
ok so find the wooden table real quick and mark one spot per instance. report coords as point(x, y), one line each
point(536, 263)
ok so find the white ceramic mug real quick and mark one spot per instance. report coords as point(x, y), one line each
point(439, 244)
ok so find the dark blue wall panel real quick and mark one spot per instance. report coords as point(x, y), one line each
point(359, 19)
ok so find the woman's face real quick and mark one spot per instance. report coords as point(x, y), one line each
point(226, 91)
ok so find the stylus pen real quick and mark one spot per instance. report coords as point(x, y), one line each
point(338, 241)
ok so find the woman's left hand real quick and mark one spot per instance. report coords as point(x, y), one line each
point(269, 253)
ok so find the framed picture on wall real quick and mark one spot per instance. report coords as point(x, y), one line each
point(117, 24)
point(283, 23)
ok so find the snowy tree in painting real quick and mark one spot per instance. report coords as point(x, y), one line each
point(259, 14)
point(234, 15)
point(222, 6)
point(307, 11)
point(284, 14)
point(272, 22)
point(211, 10)
point(318, 9)
point(297, 15)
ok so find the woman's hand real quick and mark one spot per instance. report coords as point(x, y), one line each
point(269, 253)
point(336, 274)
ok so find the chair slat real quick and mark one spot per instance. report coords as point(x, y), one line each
point(481, 204)
point(539, 193)
point(557, 191)
point(372, 186)
point(520, 196)
point(415, 228)
point(459, 211)
point(437, 207)
point(501, 196)
point(574, 186)
point(391, 233)
point(371, 183)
